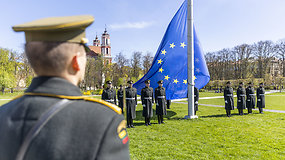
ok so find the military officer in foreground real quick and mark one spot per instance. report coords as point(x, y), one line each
point(109, 93)
point(196, 99)
point(160, 101)
point(250, 98)
point(260, 98)
point(229, 99)
point(131, 104)
point(147, 101)
point(240, 98)
point(120, 94)
point(52, 121)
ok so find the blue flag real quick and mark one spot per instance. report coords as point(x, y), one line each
point(170, 61)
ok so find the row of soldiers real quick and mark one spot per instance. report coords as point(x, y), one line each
point(148, 97)
point(245, 98)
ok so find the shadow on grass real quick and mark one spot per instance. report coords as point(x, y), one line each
point(141, 118)
point(223, 115)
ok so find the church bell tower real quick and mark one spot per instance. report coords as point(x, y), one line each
point(106, 47)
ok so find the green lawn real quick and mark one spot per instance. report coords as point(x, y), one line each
point(211, 136)
point(209, 94)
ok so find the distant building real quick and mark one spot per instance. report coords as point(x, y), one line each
point(103, 49)
point(276, 67)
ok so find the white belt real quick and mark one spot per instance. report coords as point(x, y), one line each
point(147, 98)
point(242, 95)
point(229, 95)
point(109, 100)
point(160, 96)
point(252, 94)
point(130, 98)
point(121, 96)
point(261, 94)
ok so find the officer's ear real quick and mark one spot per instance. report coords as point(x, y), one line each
point(75, 63)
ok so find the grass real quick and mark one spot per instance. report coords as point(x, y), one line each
point(211, 136)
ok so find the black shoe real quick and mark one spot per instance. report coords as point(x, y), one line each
point(128, 126)
point(158, 122)
point(146, 124)
point(149, 124)
point(162, 122)
point(132, 126)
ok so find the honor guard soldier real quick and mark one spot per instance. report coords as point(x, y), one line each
point(147, 101)
point(240, 98)
point(168, 103)
point(196, 99)
point(250, 98)
point(109, 93)
point(260, 98)
point(160, 101)
point(229, 99)
point(120, 94)
point(131, 104)
point(52, 120)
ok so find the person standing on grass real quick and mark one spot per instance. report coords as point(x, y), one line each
point(240, 98)
point(131, 104)
point(52, 120)
point(147, 101)
point(250, 98)
point(229, 100)
point(260, 98)
point(120, 94)
point(196, 99)
point(160, 102)
point(109, 93)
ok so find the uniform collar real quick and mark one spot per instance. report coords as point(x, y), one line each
point(53, 85)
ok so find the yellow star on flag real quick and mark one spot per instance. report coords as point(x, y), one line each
point(172, 45)
point(160, 70)
point(166, 77)
point(175, 81)
point(185, 81)
point(159, 61)
point(182, 45)
point(163, 52)
point(195, 78)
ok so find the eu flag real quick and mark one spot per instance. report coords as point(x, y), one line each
point(170, 61)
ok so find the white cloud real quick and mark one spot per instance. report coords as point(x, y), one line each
point(131, 25)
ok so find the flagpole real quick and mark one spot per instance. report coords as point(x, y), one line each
point(190, 60)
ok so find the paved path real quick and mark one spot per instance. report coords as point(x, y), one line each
point(5, 99)
point(211, 105)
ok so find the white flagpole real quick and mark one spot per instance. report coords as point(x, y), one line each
point(190, 60)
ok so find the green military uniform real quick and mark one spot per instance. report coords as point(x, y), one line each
point(109, 94)
point(160, 101)
point(147, 101)
point(250, 98)
point(260, 98)
point(84, 129)
point(240, 99)
point(196, 99)
point(120, 95)
point(229, 100)
point(131, 103)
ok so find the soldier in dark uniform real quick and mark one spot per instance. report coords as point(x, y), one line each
point(229, 100)
point(52, 120)
point(160, 101)
point(120, 94)
point(250, 98)
point(147, 101)
point(196, 99)
point(260, 98)
point(240, 98)
point(109, 93)
point(131, 104)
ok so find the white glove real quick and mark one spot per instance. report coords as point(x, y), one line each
point(239, 100)
point(157, 104)
point(196, 102)
point(226, 101)
point(258, 99)
point(143, 105)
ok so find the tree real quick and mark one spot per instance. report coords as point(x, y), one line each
point(147, 61)
point(136, 64)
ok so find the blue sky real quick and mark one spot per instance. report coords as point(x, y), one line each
point(139, 25)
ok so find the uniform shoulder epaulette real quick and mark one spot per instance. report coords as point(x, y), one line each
point(110, 105)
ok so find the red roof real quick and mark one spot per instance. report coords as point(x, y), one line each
point(95, 51)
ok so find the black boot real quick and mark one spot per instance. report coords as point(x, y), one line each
point(161, 119)
point(240, 112)
point(145, 121)
point(128, 122)
point(149, 121)
point(249, 111)
point(132, 123)
point(228, 113)
point(261, 110)
point(158, 118)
